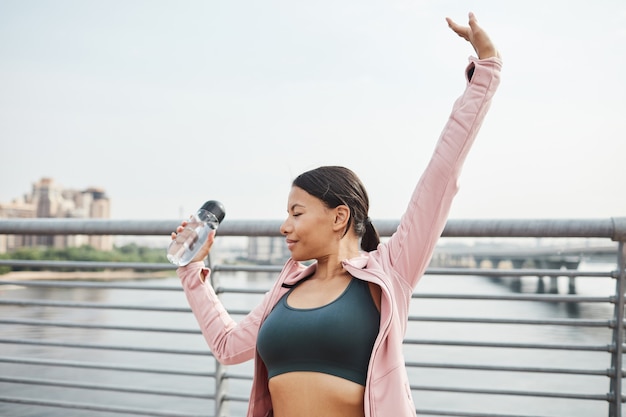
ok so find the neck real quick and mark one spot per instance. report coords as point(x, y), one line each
point(327, 269)
point(330, 266)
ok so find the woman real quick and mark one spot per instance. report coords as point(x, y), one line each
point(327, 338)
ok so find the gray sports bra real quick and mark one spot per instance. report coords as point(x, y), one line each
point(335, 339)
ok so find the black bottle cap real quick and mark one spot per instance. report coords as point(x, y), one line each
point(216, 208)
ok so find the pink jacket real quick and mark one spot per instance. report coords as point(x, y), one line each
point(396, 266)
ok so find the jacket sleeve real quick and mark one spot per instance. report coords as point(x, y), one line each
point(230, 342)
point(410, 248)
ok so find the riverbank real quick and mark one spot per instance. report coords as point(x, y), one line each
point(116, 275)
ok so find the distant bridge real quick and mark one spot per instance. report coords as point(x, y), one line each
point(542, 259)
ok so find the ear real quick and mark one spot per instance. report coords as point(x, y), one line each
point(342, 218)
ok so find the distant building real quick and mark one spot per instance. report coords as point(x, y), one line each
point(48, 199)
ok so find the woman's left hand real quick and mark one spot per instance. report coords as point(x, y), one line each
point(475, 35)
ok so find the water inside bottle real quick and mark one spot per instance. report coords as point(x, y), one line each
point(188, 242)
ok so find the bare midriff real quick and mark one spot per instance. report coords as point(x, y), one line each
point(313, 394)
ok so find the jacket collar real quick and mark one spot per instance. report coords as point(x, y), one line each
point(359, 262)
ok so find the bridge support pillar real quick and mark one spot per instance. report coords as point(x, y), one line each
point(495, 262)
point(554, 280)
point(571, 287)
point(572, 265)
point(518, 263)
point(517, 281)
point(541, 285)
point(554, 285)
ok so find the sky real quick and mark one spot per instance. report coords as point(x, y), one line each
point(166, 104)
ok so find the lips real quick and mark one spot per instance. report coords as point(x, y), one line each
point(290, 243)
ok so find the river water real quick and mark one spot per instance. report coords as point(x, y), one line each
point(424, 399)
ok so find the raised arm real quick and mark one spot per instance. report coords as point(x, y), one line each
point(409, 250)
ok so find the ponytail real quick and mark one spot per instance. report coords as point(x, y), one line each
point(370, 239)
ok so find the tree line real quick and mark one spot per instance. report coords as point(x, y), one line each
point(127, 253)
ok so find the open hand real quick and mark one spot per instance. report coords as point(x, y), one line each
point(475, 35)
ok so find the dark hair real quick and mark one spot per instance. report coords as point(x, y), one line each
point(335, 186)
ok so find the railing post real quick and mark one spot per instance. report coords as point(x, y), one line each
point(615, 405)
point(220, 390)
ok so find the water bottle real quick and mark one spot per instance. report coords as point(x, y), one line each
point(188, 242)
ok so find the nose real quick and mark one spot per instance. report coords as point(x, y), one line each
point(284, 228)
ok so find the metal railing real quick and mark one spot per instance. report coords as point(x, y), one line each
point(191, 385)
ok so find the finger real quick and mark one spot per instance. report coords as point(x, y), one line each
point(173, 235)
point(473, 22)
point(452, 24)
point(462, 31)
point(211, 237)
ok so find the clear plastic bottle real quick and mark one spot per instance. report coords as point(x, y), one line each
point(188, 242)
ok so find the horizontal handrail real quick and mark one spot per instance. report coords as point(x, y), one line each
point(79, 265)
point(426, 413)
point(88, 305)
point(545, 394)
point(613, 228)
point(501, 368)
point(520, 297)
point(483, 320)
point(202, 352)
point(260, 291)
point(92, 285)
point(109, 367)
point(97, 407)
point(74, 325)
point(518, 272)
point(224, 268)
point(441, 319)
point(546, 346)
point(103, 387)
point(51, 264)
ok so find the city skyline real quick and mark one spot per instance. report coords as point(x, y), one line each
point(49, 199)
point(166, 105)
